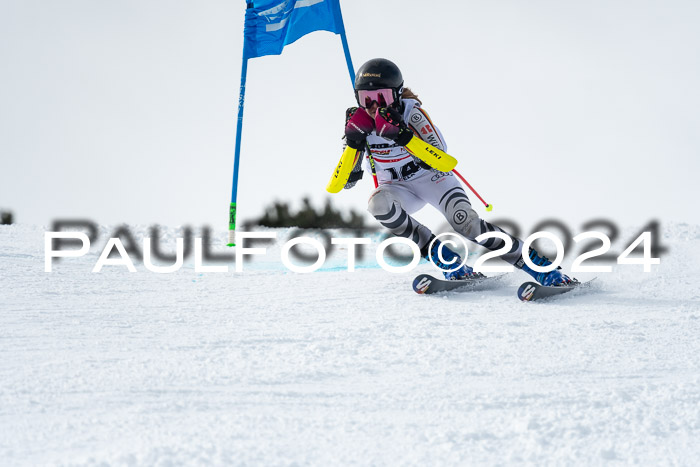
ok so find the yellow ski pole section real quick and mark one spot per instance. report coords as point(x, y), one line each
point(431, 155)
point(342, 171)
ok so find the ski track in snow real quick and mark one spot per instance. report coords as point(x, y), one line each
point(272, 367)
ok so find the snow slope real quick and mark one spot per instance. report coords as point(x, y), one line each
point(271, 367)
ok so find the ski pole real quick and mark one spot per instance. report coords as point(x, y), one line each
point(489, 207)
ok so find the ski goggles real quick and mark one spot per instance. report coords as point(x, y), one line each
point(383, 97)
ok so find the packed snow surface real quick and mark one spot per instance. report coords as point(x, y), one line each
point(272, 367)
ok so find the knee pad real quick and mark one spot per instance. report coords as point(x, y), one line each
point(380, 203)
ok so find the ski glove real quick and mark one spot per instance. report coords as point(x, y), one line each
point(358, 124)
point(390, 125)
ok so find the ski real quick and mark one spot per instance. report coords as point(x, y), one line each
point(427, 284)
point(531, 291)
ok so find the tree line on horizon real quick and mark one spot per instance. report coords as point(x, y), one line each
point(6, 217)
point(279, 214)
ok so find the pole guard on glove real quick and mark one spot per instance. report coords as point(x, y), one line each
point(431, 155)
point(342, 170)
point(390, 125)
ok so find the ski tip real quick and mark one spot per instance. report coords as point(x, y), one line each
point(422, 282)
point(527, 290)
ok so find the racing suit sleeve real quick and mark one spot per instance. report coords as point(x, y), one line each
point(422, 126)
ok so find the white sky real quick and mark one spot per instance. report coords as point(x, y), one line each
point(125, 111)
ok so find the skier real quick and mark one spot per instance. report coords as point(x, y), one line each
point(387, 118)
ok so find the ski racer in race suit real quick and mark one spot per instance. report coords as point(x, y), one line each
point(387, 118)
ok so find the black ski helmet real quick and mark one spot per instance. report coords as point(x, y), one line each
point(379, 73)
